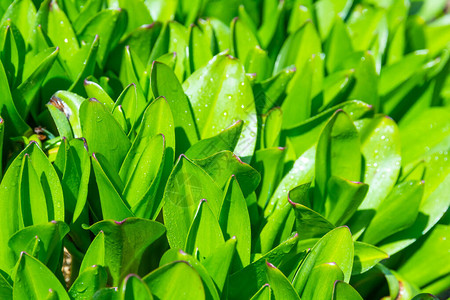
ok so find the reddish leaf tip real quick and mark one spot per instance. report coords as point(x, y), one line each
point(270, 265)
point(291, 202)
point(120, 222)
point(147, 26)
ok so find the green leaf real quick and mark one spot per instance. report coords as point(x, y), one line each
point(270, 163)
point(94, 90)
point(258, 62)
point(132, 287)
point(221, 34)
point(270, 92)
point(398, 211)
point(272, 128)
point(13, 52)
point(200, 41)
point(142, 185)
point(88, 65)
point(366, 256)
point(141, 42)
point(33, 280)
point(298, 48)
point(220, 94)
point(164, 83)
point(6, 289)
point(305, 97)
point(137, 12)
point(62, 123)
point(338, 154)
point(25, 94)
point(306, 134)
point(105, 294)
point(428, 134)
point(109, 25)
point(124, 244)
point(32, 204)
point(338, 46)
point(344, 291)
point(337, 88)
point(273, 14)
point(111, 204)
point(88, 282)
point(8, 109)
point(50, 237)
point(424, 296)
point(132, 105)
point(394, 75)
point(2, 134)
point(131, 70)
point(362, 24)
point(309, 223)
point(23, 14)
point(275, 227)
point(90, 9)
point(366, 75)
point(344, 199)
point(380, 146)
point(179, 273)
point(48, 180)
point(301, 172)
point(59, 29)
point(69, 104)
point(219, 263)
point(430, 261)
point(162, 10)
point(99, 129)
point(225, 140)
point(222, 165)
point(320, 284)
point(279, 284)
point(398, 287)
point(205, 234)
point(75, 179)
point(243, 39)
point(246, 282)
point(174, 255)
point(336, 246)
point(177, 44)
point(234, 220)
point(263, 294)
point(186, 186)
point(95, 254)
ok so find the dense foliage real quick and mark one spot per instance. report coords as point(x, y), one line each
point(224, 149)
